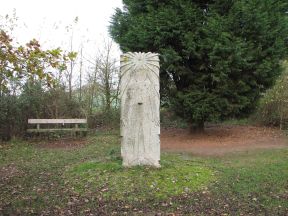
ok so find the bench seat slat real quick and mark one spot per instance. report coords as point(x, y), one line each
point(56, 129)
point(57, 121)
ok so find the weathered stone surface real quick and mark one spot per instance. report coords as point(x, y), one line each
point(140, 104)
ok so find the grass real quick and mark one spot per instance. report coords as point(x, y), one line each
point(257, 179)
point(91, 179)
point(175, 177)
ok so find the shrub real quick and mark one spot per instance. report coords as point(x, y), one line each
point(34, 102)
point(273, 107)
point(169, 119)
point(102, 119)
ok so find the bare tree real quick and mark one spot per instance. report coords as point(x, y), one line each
point(72, 57)
point(104, 78)
point(92, 85)
point(108, 74)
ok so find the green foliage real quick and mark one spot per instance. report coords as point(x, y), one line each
point(217, 57)
point(30, 61)
point(10, 120)
point(32, 100)
point(170, 120)
point(273, 107)
point(72, 56)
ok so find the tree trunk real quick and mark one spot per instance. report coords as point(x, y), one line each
point(197, 127)
point(1, 88)
point(70, 83)
point(80, 87)
point(107, 97)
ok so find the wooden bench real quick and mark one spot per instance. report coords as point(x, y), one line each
point(74, 122)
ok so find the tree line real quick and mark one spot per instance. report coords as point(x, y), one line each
point(219, 60)
point(54, 83)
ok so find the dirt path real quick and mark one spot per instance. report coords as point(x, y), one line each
point(216, 140)
point(219, 140)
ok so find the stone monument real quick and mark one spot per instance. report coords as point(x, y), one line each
point(140, 109)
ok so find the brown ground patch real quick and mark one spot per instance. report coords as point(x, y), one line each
point(8, 172)
point(222, 139)
point(216, 140)
point(62, 143)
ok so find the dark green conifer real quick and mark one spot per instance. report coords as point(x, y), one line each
point(216, 56)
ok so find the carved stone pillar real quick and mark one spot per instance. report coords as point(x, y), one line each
point(140, 109)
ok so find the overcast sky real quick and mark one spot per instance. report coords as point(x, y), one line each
point(46, 20)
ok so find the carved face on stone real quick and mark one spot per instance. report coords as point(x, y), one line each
point(140, 61)
point(140, 75)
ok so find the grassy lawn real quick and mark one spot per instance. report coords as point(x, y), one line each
point(91, 179)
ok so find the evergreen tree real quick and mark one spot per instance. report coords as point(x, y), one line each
point(216, 56)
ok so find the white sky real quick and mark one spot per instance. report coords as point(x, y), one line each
point(46, 20)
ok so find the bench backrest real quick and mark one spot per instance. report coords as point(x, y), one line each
point(57, 121)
